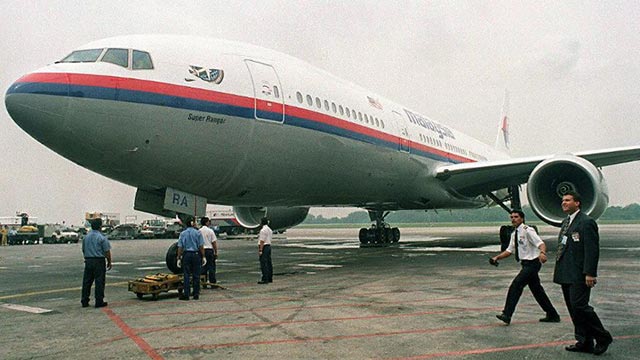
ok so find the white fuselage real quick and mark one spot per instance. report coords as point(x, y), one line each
point(273, 132)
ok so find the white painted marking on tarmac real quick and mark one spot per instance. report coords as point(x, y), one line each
point(488, 248)
point(322, 266)
point(308, 253)
point(150, 268)
point(325, 247)
point(34, 266)
point(29, 309)
point(3, 268)
point(121, 263)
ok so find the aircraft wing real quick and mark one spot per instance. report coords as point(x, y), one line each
point(482, 177)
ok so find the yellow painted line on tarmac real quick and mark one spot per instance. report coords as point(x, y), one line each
point(33, 293)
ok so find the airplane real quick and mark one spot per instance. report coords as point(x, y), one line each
point(190, 121)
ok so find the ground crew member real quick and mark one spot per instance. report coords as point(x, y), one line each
point(576, 271)
point(96, 249)
point(531, 252)
point(210, 249)
point(4, 231)
point(190, 258)
point(264, 252)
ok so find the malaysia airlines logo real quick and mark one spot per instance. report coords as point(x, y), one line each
point(505, 130)
point(209, 75)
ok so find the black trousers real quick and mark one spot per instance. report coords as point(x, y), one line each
point(265, 264)
point(528, 275)
point(191, 264)
point(210, 268)
point(94, 270)
point(587, 324)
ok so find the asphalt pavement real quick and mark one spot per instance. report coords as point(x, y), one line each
point(433, 295)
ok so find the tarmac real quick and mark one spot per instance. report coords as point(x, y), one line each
point(431, 296)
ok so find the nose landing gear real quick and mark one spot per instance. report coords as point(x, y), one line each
point(379, 233)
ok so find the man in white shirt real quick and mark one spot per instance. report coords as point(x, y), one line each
point(531, 252)
point(210, 249)
point(264, 252)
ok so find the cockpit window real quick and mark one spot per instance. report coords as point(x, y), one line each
point(78, 56)
point(141, 60)
point(117, 56)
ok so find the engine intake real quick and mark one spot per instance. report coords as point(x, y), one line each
point(554, 177)
point(280, 217)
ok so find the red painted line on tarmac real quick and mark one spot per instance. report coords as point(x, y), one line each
point(131, 334)
point(351, 318)
point(335, 338)
point(502, 349)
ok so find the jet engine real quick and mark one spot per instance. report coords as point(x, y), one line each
point(554, 177)
point(279, 217)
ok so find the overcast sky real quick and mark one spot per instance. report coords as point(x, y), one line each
point(571, 68)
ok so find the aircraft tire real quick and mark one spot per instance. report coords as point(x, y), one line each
point(362, 235)
point(395, 234)
point(505, 236)
point(172, 259)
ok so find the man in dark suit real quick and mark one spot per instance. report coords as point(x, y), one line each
point(576, 271)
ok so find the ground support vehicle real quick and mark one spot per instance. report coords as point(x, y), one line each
point(155, 284)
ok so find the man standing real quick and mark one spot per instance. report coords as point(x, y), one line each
point(210, 249)
point(95, 248)
point(190, 258)
point(264, 252)
point(4, 232)
point(531, 252)
point(576, 271)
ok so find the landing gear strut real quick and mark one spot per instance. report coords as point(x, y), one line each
point(380, 232)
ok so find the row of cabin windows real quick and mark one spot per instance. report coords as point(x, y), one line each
point(431, 141)
point(454, 148)
point(339, 109)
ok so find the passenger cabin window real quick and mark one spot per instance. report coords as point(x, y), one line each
point(80, 56)
point(117, 56)
point(141, 60)
point(276, 92)
point(309, 100)
point(299, 97)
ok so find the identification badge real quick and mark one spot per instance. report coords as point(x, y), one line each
point(564, 239)
point(575, 236)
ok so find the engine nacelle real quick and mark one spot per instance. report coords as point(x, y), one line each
point(554, 177)
point(280, 217)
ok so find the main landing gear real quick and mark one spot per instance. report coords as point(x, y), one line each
point(380, 232)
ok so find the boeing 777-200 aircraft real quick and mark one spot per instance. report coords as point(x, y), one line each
point(190, 121)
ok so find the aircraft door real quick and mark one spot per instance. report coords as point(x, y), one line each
point(269, 99)
point(403, 142)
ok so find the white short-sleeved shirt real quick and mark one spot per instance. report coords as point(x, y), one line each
point(528, 242)
point(265, 235)
point(209, 237)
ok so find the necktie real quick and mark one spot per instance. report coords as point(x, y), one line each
point(515, 241)
point(563, 229)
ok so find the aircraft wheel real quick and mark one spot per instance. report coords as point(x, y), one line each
point(139, 295)
point(388, 235)
point(172, 258)
point(362, 235)
point(505, 236)
point(395, 234)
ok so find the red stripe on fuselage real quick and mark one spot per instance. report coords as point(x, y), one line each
point(227, 99)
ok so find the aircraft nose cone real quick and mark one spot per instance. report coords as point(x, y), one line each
point(38, 103)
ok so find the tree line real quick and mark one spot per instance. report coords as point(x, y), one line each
point(629, 213)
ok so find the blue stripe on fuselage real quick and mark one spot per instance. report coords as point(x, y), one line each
point(149, 98)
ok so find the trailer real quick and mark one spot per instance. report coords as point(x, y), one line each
point(158, 283)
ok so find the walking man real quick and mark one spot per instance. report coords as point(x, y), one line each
point(531, 252)
point(576, 271)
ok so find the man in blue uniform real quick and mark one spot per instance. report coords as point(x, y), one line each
point(190, 258)
point(576, 271)
point(96, 249)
